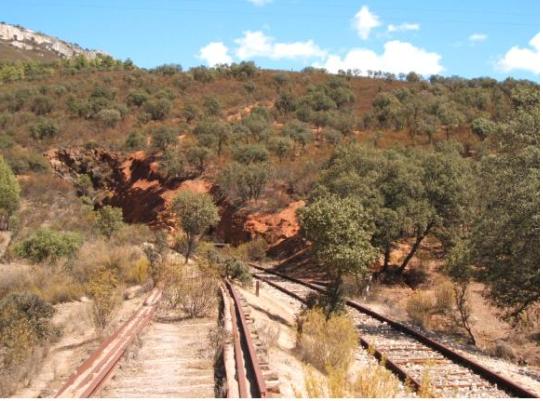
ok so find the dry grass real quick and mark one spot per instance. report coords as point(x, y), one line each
point(375, 382)
point(419, 308)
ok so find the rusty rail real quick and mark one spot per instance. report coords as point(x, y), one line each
point(503, 383)
point(90, 377)
point(244, 339)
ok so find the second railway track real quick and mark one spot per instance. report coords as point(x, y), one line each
point(409, 354)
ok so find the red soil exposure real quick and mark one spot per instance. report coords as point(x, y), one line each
point(134, 184)
point(275, 227)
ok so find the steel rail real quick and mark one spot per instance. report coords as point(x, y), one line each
point(493, 377)
point(90, 377)
point(247, 341)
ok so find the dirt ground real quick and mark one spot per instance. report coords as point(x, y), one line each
point(78, 339)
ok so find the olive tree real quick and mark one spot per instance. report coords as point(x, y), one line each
point(195, 213)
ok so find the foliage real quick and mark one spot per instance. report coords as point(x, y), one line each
point(235, 269)
point(47, 244)
point(44, 129)
point(158, 109)
point(340, 230)
point(198, 157)
point(163, 137)
point(135, 140)
point(243, 183)
point(195, 213)
point(109, 220)
point(109, 118)
point(246, 154)
point(9, 193)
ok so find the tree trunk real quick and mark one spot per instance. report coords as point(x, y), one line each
point(387, 257)
point(190, 246)
point(415, 246)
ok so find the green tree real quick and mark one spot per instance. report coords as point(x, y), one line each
point(109, 220)
point(253, 153)
point(9, 194)
point(195, 213)
point(213, 134)
point(198, 157)
point(135, 140)
point(242, 182)
point(41, 105)
point(212, 106)
point(172, 163)
point(43, 129)
point(340, 230)
point(281, 146)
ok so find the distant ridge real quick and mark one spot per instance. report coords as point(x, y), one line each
point(18, 43)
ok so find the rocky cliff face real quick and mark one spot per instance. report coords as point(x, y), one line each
point(25, 39)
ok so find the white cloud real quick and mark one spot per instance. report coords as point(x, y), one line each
point(397, 57)
point(364, 21)
point(215, 53)
point(258, 44)
point(528, 59)
point(477, 37)
point(259, 3)
point(403, 27)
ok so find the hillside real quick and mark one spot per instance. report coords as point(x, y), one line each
point(411, 187)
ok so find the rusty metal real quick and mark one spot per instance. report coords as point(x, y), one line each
point(252, 359)
point(238, 354)
point(92, 374)
point(501, 382)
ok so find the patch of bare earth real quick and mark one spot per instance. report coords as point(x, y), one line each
point(79, 338)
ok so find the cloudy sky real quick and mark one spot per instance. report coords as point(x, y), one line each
point(498, 38)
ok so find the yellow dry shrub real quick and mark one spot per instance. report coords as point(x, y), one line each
point(327, 343)
point(315, 383)
point(419, 308)
point(444, 294)
point(57, 286)
point(103, 287)
point(338, 384)
point(375, 382)
point(138, 272)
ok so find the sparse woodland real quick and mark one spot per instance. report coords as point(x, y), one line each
point(379, 162)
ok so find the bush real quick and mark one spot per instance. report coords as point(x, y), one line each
point(135, 140)
point(444, 294)
point(109, 219)
point(24, 323)
point(244, 182)
point(246, 154)
point(138, 272)
point(137, 98)
point(9, 193)
point(256, 249)
point(191, 291)
point(158, 109)
point(44, 129)
point(198, 156)
point(326, 344)
point(41, 105)
point(109, 117)
point(164, 137)
point(103, 289)
point(281, 146)
point(235, 269)
point(419, 308)
point(212, 106)
point(48, 244)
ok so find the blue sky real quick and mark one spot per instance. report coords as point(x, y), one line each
point(497, 38)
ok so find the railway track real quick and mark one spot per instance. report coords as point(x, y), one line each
point(168, 366)
point(413, 357)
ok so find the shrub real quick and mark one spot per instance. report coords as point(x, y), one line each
point(24, 324)
point(135, 140)
point(158, 109)
point(444, 294)
point(138, 272)
point(212, 106)
point(198, 156)
point(419, 308)
point(103, 289)
point(48, 244)
point(9, 193)
point(44, 129)
point(241, 182)
point(191, 291)
point(281, 146)
point(172, 164)
point(109, 117)
point(246, 154)
point(256, 249)
point(190, 113)
point(235, 269)
point(163, 137)
point(326, 344)
point(109, 219)
point(41, 105)
point(137, 98)
point(375, 382)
